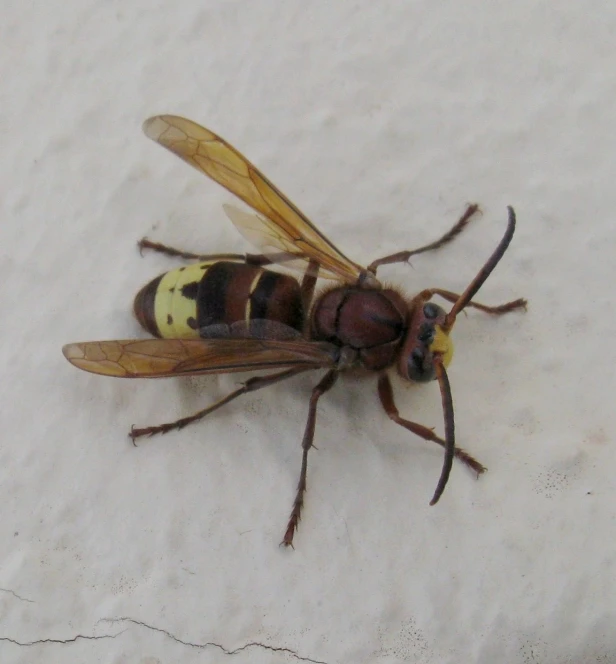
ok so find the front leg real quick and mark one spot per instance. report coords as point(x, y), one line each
point(498, 309)
point(386, 396)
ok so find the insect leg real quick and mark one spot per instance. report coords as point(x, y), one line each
point(251, 385)
point(403, 256)
point(327, 382)
point(307, 290)
point(520, 303)
point(386, 396)
point(252, 259)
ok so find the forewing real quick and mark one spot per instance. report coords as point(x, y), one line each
point(285, 228)
point(159, 358)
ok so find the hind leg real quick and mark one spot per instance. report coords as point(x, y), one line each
point(252, 259)
point(251, 385)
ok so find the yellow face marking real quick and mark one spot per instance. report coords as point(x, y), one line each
point(442, 344)
point(251, 290)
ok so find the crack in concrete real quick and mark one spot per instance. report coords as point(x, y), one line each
point(12, 592)
point(201, 646)
point(160, 630)
point(78, 637)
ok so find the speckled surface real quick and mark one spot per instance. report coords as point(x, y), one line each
point(381, 121)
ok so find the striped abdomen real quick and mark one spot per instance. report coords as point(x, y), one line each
point(181, 303)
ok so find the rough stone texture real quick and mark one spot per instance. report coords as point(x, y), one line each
point(381, 120)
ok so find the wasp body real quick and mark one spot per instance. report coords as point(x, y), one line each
point(231, 312)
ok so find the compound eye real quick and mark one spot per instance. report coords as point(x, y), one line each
point(431, 310)
point(419, 366)
point(426, 333)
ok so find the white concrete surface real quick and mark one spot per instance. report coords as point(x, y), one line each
point(381, 121)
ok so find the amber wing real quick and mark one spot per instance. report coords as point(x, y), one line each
point(284, 228)
point(159, 358)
